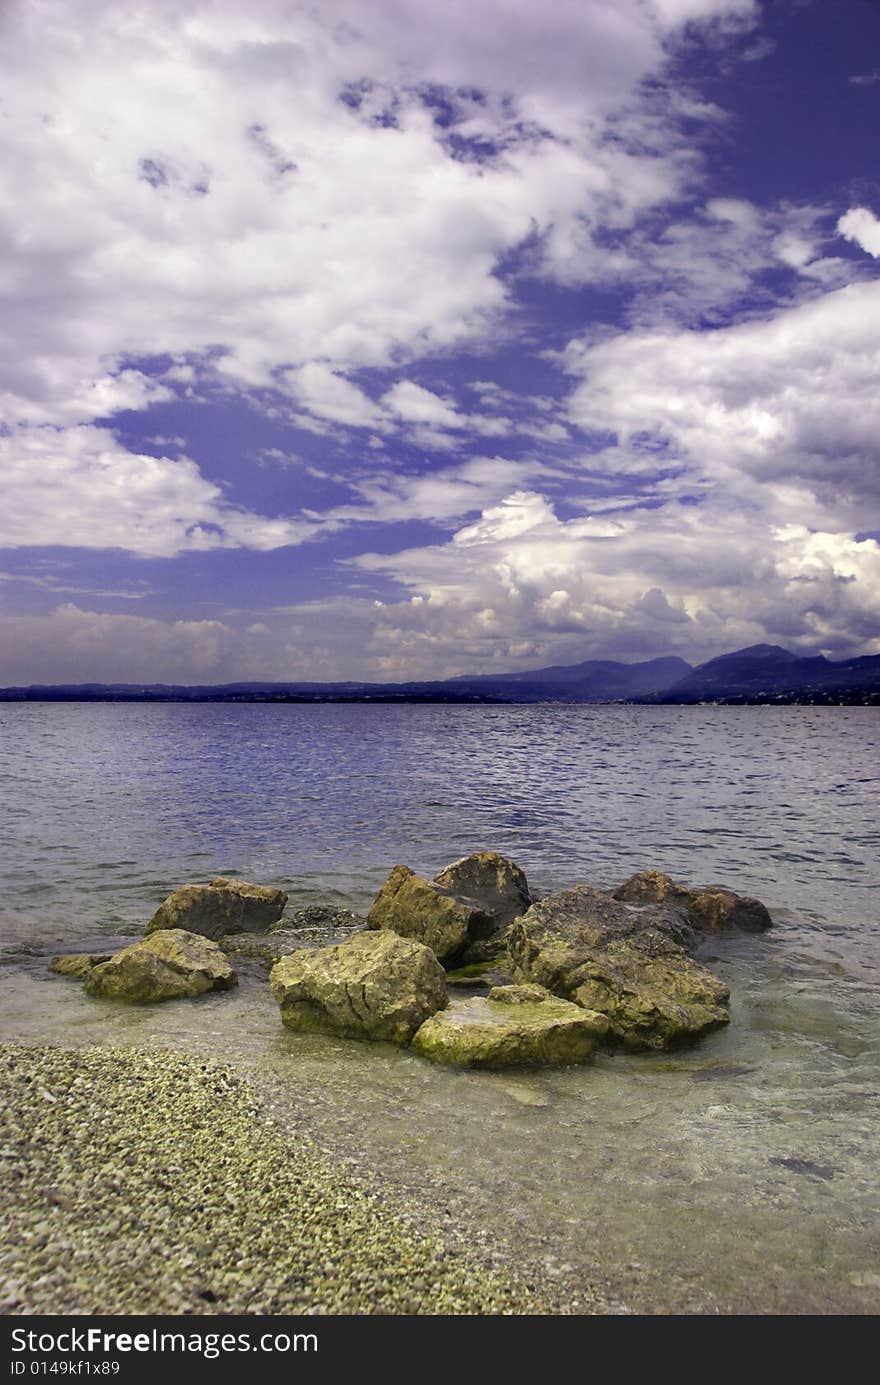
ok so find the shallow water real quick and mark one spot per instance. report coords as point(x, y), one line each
point(736, 1176)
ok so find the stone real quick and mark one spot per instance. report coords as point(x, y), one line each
point(480, 1032)
point(627, 963)
point(169, 964)
point(519, 995)
point(492, 881)
point(414, 907)
point(223, 906)
point(78, 964)
point(709, 908)
point(376, 985)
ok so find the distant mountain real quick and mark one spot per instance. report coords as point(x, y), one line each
point(595, 680)
point(761, 673)
point(769, 673)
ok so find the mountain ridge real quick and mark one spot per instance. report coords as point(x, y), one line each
point(756, 674)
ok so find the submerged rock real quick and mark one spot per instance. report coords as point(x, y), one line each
point(482, 1032)
point(375, 985)
point(462, 913)
point(413, 907)
point(627, 963)
point(710, 908)
point(223, 906)
point(169, 964)
point(78, 964)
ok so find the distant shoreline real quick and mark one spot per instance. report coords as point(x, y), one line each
point(857, 697)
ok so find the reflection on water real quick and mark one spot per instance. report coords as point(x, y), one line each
point(737, 1176)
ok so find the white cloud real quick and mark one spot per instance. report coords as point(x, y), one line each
point(77, 487)
point(782, 412)
point(862, 227)
point(187, 180)
point(415, 404)
point(329, 395)
point(689, 579)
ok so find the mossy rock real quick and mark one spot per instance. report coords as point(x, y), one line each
point(168, 965)
point(373, 986)
point(628, 963)
point(482, 1033)
point(78, 964)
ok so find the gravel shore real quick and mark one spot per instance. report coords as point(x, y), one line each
point(138, 1181)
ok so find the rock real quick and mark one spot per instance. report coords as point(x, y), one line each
point(223, 906)
point(500, 889)
point(485, 1033)
point(519, 995)
point(78, 964)
point(627, 963)
point(710, 908)
point(413, 907)
point(492, 881)
point(375, 985)
point(170, 963)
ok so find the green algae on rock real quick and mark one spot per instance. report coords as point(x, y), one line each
point(709, 908)
point(167, 965)
point(625, 962)
point(223, 906)
point(481, 1032)
point(78, 964)
point(375, 985)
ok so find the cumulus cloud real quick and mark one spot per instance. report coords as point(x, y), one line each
point(77, 487)
point(782, 412)
point(521, 585)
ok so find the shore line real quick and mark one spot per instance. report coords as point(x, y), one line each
point(142, 1181)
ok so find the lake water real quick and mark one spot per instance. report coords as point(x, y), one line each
point(740, 1175)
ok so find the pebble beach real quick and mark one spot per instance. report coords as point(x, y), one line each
point(148, 1182)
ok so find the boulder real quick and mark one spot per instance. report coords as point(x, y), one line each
point(168, 964)
point(413, 907)
point(481, 1032)
point(223, 906)
point(78, 964)
point(710, 908)
point(490, 880)
point(375, 985)
point(627, 963)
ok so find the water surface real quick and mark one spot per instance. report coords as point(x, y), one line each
point(736, 1176)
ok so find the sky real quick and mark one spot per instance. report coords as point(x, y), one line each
point(387, 339)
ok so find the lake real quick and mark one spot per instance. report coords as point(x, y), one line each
point(737, 1176)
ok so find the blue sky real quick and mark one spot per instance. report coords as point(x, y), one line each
point(399, 340)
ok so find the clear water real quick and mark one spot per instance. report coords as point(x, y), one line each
point(737, 1176)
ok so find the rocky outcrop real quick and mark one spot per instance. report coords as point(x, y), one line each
point(462, 913)
point(710, 908)
point(490, 1032)
point(78, 964)
point(413, 907)
point(223, 906)
point(169, 964)
point(376, 985)
point(627, 963)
